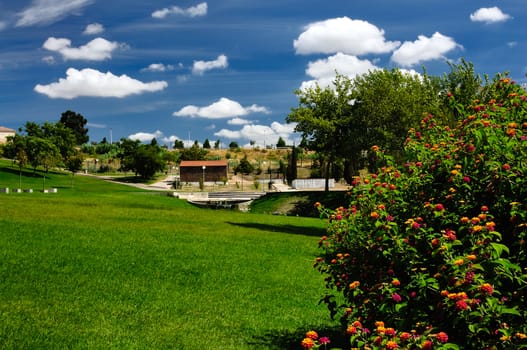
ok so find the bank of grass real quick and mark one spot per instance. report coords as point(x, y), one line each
point(299, 203)
point(107, 266)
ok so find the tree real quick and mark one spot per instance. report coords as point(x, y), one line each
point(217, 144)
point(74, 164)
point(193, 153)
point(206, 144)
point(233, 145)
point(76, 122)
point(178, 144)
point(244, 167)
point(148, 160)
point(280, 143)
point(386, 104)
point(321, 116)
point(292, 167)
point(128, 149)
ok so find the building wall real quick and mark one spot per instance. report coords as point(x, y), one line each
point(195, 174)
point(4, 133)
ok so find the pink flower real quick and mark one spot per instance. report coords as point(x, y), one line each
point(439, 207)
point(324, 340)
point(466, 179)
point(396, 297)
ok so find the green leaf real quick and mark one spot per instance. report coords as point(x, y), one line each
point(510, 311)
point(499, 249)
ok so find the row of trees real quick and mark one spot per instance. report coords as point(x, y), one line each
point(342, 121)
point(49, 144)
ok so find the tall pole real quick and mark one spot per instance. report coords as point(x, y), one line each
point(204, 167)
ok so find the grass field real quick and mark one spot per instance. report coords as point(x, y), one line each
point(107, 266)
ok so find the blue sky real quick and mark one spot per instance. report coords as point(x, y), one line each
point(227, 69)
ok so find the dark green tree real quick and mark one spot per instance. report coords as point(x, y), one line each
point(233, 145)
point(193, 153)
point(321, 117)
point(244, 167)
point(178, 144)
point(280, 143)
point(148, 161)
point(217, 144)
point(206, 144)
point(74, 164)
point(77, 123)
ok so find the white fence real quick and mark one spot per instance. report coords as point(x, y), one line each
point(300, 184)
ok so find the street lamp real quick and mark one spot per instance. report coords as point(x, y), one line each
point(204, 167)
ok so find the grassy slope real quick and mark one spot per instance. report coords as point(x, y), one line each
point(105, 266)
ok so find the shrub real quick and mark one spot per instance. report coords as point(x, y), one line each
point(436, 248)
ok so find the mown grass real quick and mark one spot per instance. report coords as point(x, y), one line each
point(107, 266)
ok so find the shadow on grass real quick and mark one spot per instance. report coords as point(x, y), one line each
point(291, 340)
point(290, 229)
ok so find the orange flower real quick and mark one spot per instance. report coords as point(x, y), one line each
point(308, 343)
point(471, 257)
point(391, 345)
point(354, 284)
point(459, 262)
point(374, 215)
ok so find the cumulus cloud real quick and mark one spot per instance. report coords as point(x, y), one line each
point(98, 49)
point(49, 11)
point(424, 49)
point(93, 29)
point(146, 136)
point(489, 15)
point(158, 67)
point(223, 108)
point(201, 67)
point(353, 37)
point(193, 11)
point(323, 70)
point(238, 121)
point(92, 83)
point(262, 134)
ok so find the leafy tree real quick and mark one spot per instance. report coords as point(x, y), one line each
point(244, 167)
point(233, 145)
point(62, 137)
point(148, 160)
point(128, 149)
point(280, 143)
point(217, 144)
point(386, 104)
point(321, 116)
point(74, 164)
point(178, 144)
point(77, 123)
point(193, 153)
point(206, 144)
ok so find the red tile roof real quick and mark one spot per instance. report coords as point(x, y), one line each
point(200, 163)
point(4, 129)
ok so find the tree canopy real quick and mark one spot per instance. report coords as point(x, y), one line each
point(76, 123)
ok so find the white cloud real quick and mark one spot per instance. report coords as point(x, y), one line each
point(424, 49)
point(3, 25)
point(223, 108)
point(354, 37)
point(158, 67)
point(92, 83)
point(238, 121)
point(489, 15)
point(201, 67)
point(49, 11)
point(263, 135)
point(93, 29)
point(146, 136)
point(323, 70)
point(98, 49)
point(193, 11)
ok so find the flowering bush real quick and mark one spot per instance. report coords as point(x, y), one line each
point(436, 248)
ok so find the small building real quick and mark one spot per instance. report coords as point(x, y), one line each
point(4, 133)
point(203, 170)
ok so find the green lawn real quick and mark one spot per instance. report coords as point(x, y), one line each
point(107, 266)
